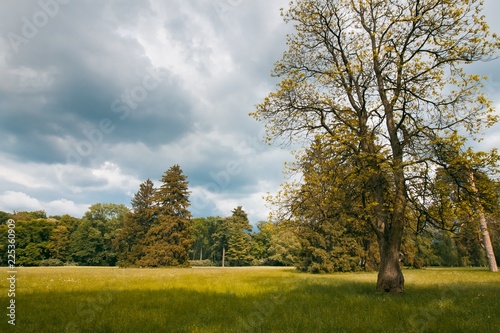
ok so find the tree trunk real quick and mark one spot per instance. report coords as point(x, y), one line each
point(390, 277)
point(492, 263)
point(488, 247)
point(223, 255)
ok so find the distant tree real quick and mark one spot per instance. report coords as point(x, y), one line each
point(129, 242)
point(168, 239)
point(32, 241)
point(285, 247)
point(220, 239)
point(200, 248)
point(262, 241)
point(4, 217)
point(445, 250)
point(464, 197)
point(326, 209)
point(468, 243)
point(59, 243)
point(92, 243)
point(239, 242)
point(87, 244)
point(416, 249)
point(69, 222)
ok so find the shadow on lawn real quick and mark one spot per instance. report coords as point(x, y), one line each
point(299, 305)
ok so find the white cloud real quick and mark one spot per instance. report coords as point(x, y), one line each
point(64, 206)
point(28, 175)
point(114, 178)
point(11, 201)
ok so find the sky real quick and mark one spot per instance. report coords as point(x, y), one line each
point(98, 96)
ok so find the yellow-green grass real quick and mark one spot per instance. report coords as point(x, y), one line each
point(89, 299)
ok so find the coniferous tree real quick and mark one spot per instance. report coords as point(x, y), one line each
point(239, 242)
point(130, 240)
point(168, 239)
point(327, 210)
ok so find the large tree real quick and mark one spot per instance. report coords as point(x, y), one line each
point(325, 210)
point(385, 79)
point(167, 241)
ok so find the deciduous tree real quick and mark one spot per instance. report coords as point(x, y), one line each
point(385, 80)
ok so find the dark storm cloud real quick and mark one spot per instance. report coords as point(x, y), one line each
point(88, 67)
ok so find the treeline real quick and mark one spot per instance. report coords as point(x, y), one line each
point(159, 231)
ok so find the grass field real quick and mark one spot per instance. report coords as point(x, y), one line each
point(88, 299)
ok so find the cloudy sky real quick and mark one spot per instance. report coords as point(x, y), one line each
point(98, 96)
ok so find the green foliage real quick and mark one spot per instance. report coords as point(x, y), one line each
point(32, 240)
point(239, 240)
point(327, 211)
point(202, 231)
point(262, 242)
point(4, 217)
point(285, 246)
point(445, 250)
point(130, 238)
point(92, 241)
point(158, 231)
point(87, 244)
point(60, 243)
point(51, 262)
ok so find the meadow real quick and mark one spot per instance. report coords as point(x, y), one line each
point(254, 299)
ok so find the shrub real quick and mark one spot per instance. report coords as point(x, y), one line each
point(51, 262)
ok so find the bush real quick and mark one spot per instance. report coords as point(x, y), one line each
point(201, 263)
point(51, 262)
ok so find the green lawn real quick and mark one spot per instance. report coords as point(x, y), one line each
point(87, 299)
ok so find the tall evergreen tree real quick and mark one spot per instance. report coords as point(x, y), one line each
point(131, 237)
point(239, 242)
point(168, 239)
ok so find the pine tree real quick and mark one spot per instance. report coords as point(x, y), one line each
point(129, 242)
point(168, 240)
point(239, 242)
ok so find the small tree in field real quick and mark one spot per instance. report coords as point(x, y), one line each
point(385, 80)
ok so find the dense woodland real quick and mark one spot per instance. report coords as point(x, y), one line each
point(159, 231)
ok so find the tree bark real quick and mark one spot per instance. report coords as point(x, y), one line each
point(490, 254)
point(390, 277)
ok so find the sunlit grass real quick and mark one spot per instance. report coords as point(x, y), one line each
point(85, 299)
